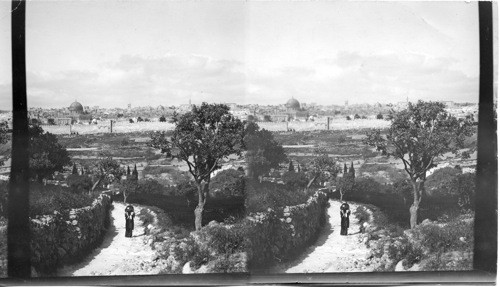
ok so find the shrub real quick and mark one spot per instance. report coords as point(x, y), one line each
point(225, 240)
point(45, 199)
point(79, 183)
point(380, 116)
point(265, 195)
point(228, 183)
point(295, 180)
point(440, 179)
point(362, 216)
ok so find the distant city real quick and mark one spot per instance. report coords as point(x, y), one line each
point(291, 110)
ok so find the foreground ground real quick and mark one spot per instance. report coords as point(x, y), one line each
point(332, 252)
point(118, 255)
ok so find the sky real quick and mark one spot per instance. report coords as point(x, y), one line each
point(113, 53)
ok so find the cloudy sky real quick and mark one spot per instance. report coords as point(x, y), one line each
point(112, 53)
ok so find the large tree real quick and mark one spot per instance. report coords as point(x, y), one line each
point(263, 151)
point(202, 138)
point(417, 136)
point(46, 155)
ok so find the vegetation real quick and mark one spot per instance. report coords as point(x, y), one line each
point(46, 155)
point(45, 199)
point(79, 183)
point(228, 183)
point(202, 138)
point(417, 136)
point(263, 152)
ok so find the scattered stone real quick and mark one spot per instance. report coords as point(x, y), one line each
point(186, 269)
point(399, 267)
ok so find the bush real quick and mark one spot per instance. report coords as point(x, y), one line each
point(295, 180)
point(45, 199)
point(228, 183)
point(79, 183)
point(225, 240)
point(262, 196)
point(362, 216)
point(440, 179)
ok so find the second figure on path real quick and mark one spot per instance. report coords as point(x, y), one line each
point(344, 218)
point(129, 220)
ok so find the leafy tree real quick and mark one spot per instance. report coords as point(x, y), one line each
point(202, 138)
point(263, 151)
point(290, 167)
point(139, 119)
point(107, 170)
point(348, 118)
point(51, 121)
point(417, 136)
point(74, 170)
point(79, 183)
point(351, 170)
point(128, 170)
point(380, 116)
point(267, 118)
point(356, 117)
point(127, 187)
point(46, 155)
point(324, 168)
point(163, 119)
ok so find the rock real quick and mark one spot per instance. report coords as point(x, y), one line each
point(202, 269)
point(426, 221)
point(399, 267)
point(186, 269)
point(415, 267)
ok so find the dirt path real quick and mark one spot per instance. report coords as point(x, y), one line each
point(118, 255)
point(333, 252)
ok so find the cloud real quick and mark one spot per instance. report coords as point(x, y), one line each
point(370, 78)
point(174, 78)
point(171, 79)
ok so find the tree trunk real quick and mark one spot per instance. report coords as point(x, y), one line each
point(341, 195)
point(198, 211)
point(125, 198)
point(415, 204)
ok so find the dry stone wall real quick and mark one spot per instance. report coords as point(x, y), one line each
point(277, 234)
point(64, 237)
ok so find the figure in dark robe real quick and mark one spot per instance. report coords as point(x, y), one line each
point(129, 220)
point(344, 218)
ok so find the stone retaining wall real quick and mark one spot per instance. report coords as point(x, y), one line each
point(279, 234)
point(64, 237)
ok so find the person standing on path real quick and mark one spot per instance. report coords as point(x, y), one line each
point(129, 220)
point(344, 218)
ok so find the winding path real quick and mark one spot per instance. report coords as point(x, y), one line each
point(332, 252)
point(117, 254)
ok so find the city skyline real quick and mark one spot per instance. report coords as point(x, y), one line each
point(111, 53)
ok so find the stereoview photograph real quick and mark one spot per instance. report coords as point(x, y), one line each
point(272, 137)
